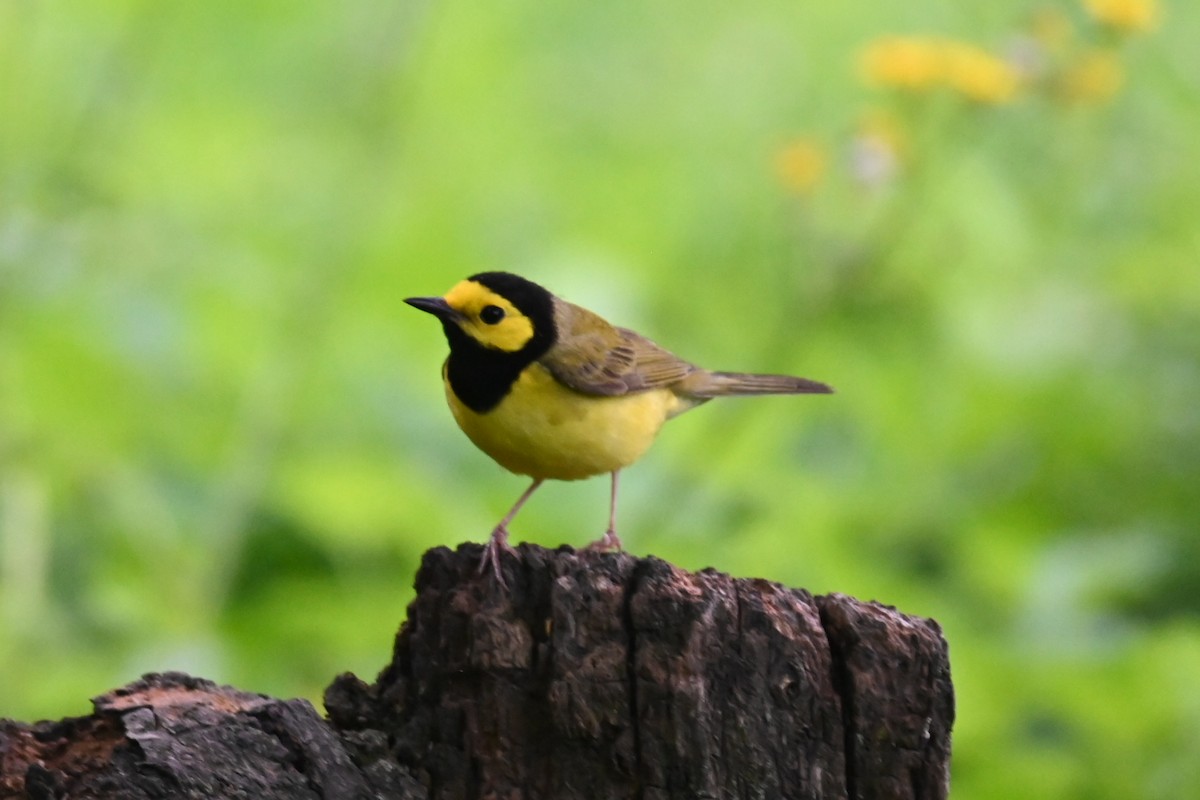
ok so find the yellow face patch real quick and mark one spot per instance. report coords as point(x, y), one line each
point(489, 318)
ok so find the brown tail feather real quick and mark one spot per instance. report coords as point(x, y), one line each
point(718, 384)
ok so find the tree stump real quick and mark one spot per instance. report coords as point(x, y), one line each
point(587, 676)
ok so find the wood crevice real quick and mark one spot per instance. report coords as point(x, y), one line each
point(590, 675)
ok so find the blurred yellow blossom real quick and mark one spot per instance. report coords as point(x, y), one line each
point(801, 164)
point(1127, 16)
point(1095, 77)
point(903, 62)
point(921, 63)
point(979, 75)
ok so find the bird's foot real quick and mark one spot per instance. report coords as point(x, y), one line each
point(608, 542)
point(497, 544)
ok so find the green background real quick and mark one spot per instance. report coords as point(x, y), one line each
point(223, 444)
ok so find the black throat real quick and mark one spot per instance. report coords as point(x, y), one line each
point(480, 376)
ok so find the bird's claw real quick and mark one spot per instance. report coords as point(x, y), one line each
point(608, 542)
point(497, 543)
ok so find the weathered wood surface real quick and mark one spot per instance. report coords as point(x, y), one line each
point(588, 676)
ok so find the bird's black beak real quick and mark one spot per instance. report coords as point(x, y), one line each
point(436, 306)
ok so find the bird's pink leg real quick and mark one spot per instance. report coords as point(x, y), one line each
point(498, 542)
point(610, 540)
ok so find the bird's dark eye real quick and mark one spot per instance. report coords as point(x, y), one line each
point(491, 314)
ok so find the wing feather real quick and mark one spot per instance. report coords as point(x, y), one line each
point(594, 357)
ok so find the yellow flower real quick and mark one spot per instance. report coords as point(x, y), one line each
point(979, 75)
point(801, 165)
point(1094, 78)
point(924, 63)
point(902, 62)
point(1126, 16)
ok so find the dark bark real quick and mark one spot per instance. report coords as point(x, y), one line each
point(587, 676)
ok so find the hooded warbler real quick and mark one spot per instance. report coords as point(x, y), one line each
point(551, 390)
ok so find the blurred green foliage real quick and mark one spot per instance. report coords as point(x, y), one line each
point(223, 445)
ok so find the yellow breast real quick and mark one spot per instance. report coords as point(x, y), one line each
point(545, 430)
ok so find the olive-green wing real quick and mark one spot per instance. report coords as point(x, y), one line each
point(594, 357)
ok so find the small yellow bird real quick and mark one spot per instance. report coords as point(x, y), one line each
point(552, 391)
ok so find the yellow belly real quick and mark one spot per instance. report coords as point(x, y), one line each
point(545, 430)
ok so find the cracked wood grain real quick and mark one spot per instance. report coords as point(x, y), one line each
point(589, 676)
point(606, 676)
